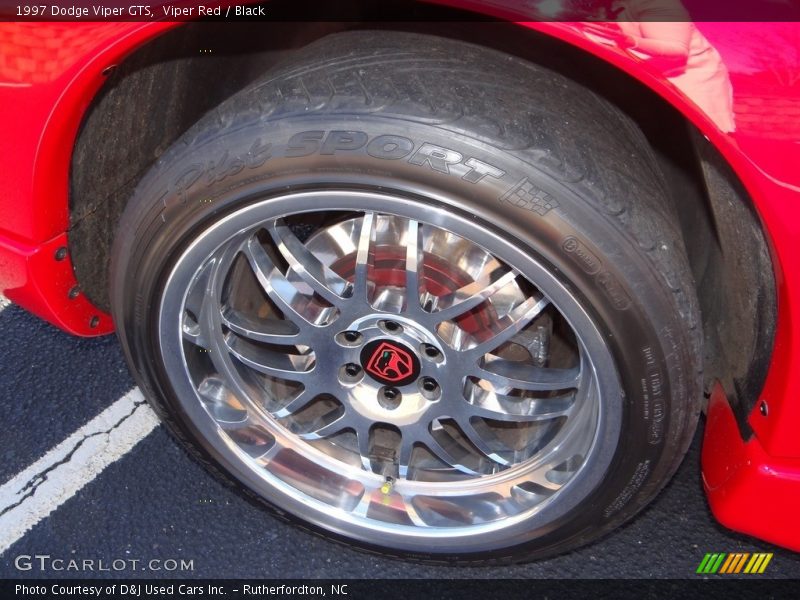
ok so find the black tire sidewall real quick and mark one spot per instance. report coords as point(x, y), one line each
point(620, 287)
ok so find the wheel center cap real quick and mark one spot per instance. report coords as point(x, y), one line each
point(390, 362)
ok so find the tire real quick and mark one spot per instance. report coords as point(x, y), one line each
point(287, 267)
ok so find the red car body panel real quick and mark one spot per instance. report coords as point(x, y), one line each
point(50, 72)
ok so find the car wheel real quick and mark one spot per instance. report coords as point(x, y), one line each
point(421, 296)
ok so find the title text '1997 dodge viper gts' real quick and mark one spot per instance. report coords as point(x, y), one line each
point(451, 280)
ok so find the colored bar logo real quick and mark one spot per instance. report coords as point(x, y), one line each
point(734, 563)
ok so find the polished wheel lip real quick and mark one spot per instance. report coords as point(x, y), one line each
point(486, 536)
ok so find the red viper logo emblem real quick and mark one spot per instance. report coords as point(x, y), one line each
point(390, 362)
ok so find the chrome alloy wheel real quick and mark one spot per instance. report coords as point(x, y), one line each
point(391, 371)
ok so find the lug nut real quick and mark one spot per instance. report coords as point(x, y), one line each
point(429, 388)
point(429, 384)
point(349, 338)
point(431, 352)
point(392, 327)
point(389, 398)
point(350, 374)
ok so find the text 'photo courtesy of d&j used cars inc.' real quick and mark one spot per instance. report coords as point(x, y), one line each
point(412, 298)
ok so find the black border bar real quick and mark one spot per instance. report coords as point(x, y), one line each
point(400, 589)
point(400, 10)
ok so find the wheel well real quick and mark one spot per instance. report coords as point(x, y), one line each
point(167, 85)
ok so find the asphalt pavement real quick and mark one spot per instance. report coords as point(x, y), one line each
point(152, 506)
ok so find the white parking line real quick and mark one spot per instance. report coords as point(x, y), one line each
point(4, 302)
point(37, 491)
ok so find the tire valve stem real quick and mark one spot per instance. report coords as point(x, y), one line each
point(387, 486)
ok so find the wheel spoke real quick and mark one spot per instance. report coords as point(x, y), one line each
point(499, 407)
point(404, 453)
point(362, 508)
point(362, 439)
point(547, 473)
point(275, 331)
point(503, 373)
point(365, 256)
point(439, 451)
point(253, 439)
point(537, 409)
point(319, 277)
point(296, 404)
point(414, 260)
point(270, 362)
point(560, 447)
point(193, 334)
point(507, 327)
point(340, 423)
point(539, 477)
point(221, 402)
point(198, 296)
point(447, 308)
point(280, 290)
point(480, 439)
point(200, 288)
point(375, 498)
